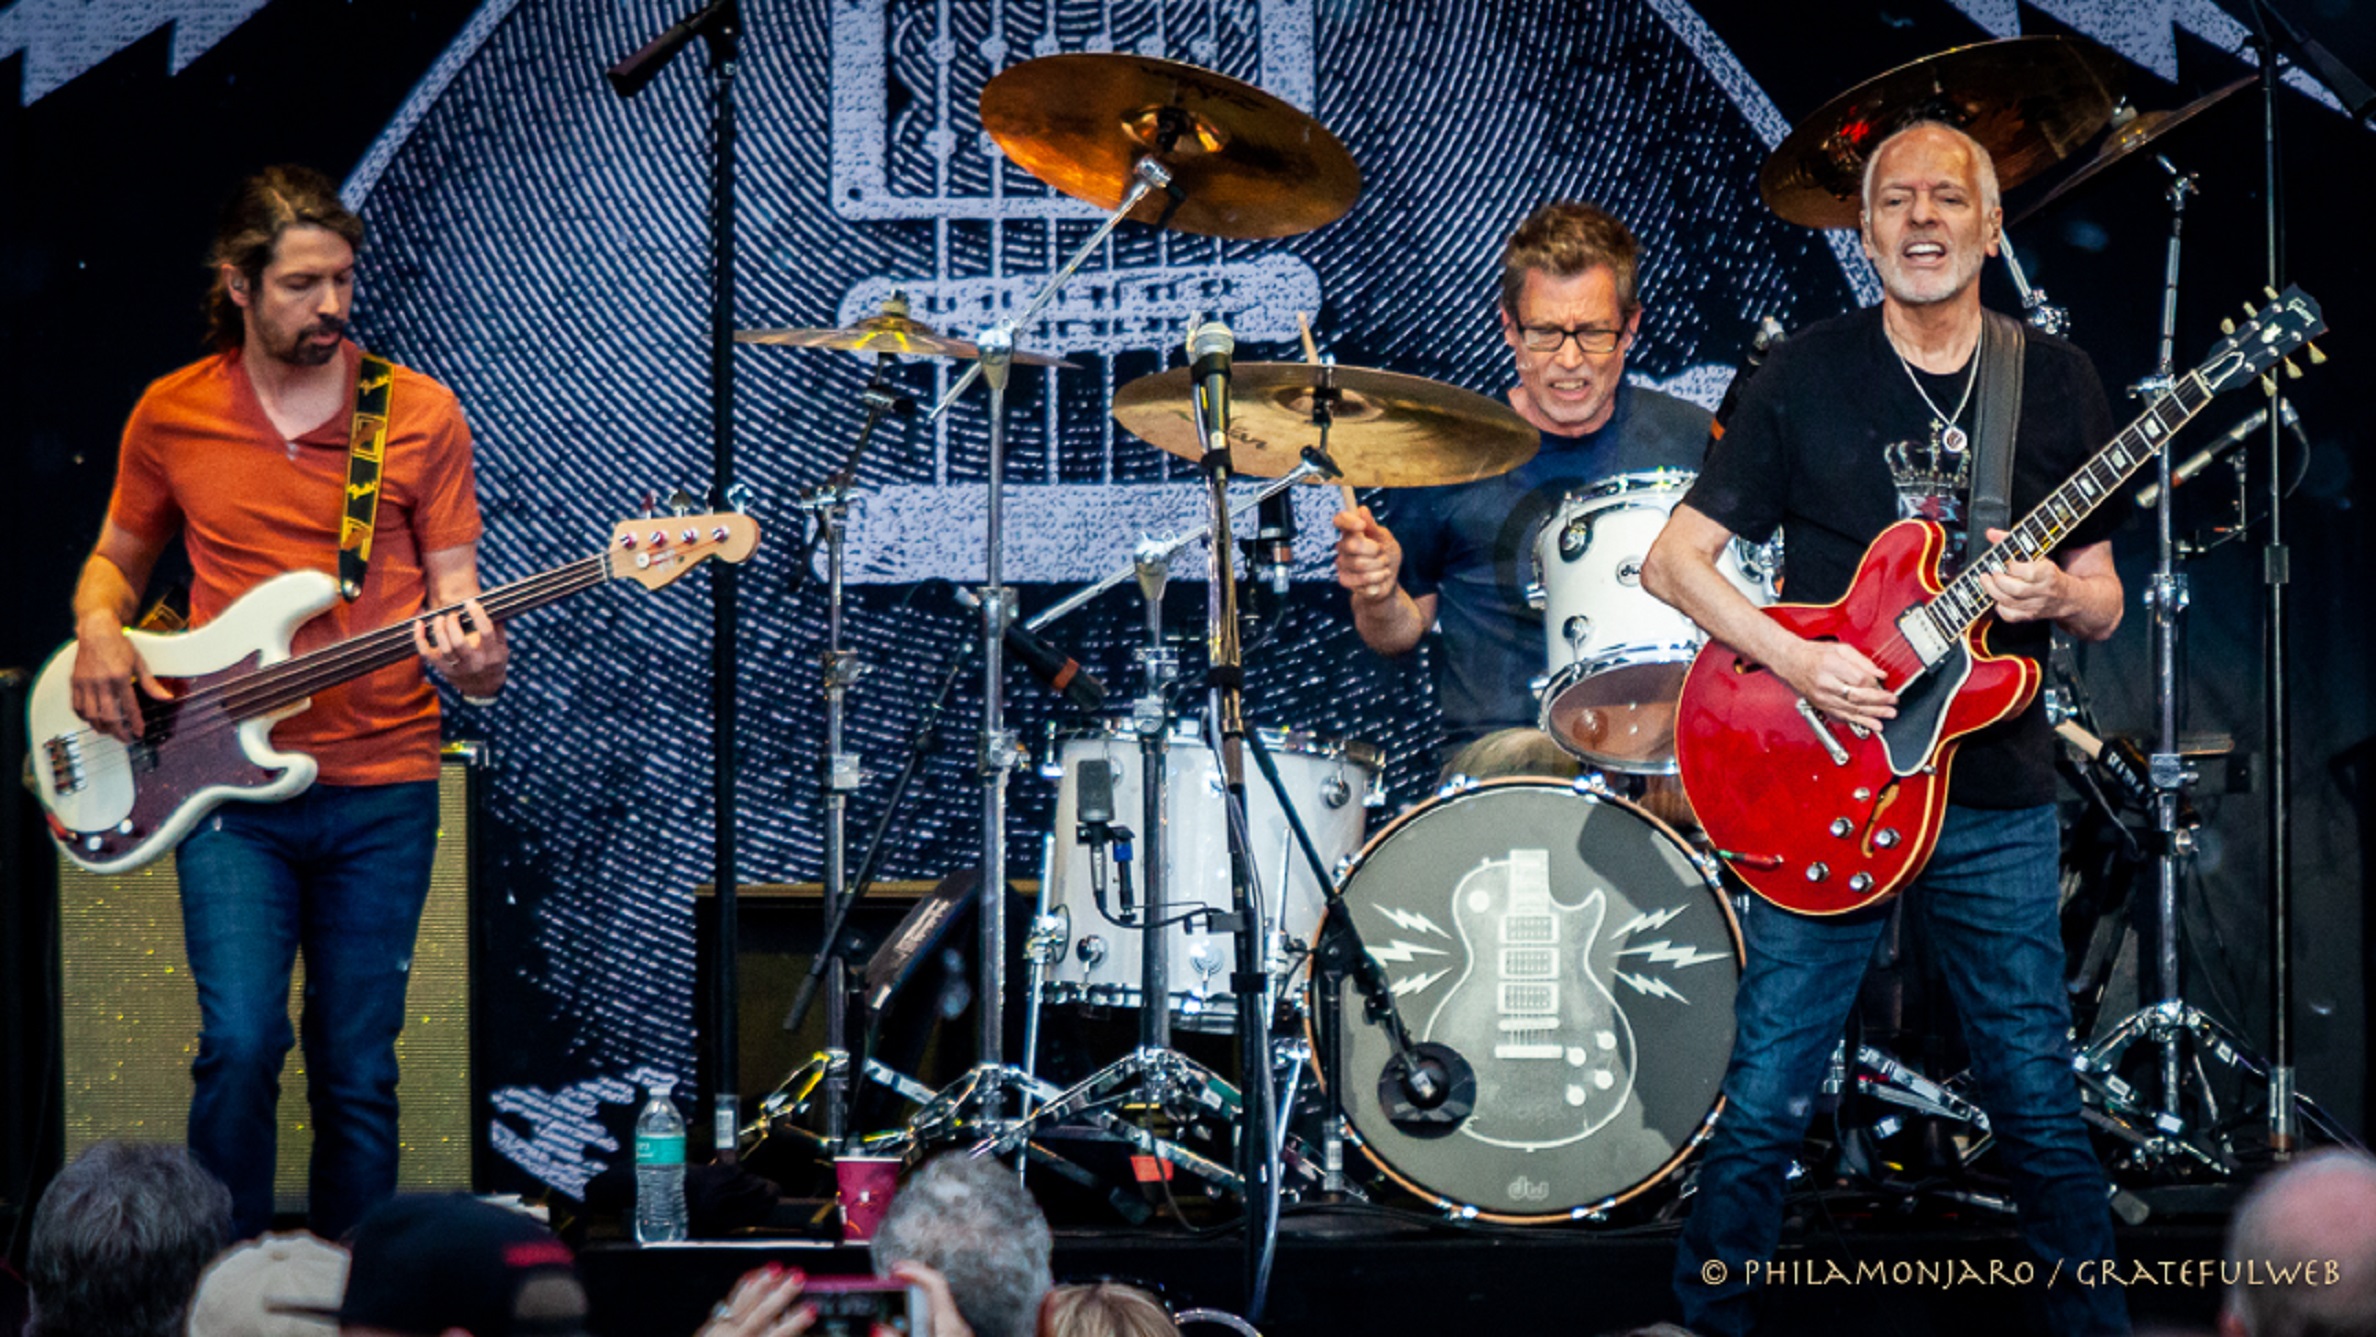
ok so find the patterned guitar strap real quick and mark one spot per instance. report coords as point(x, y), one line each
point(367, 447)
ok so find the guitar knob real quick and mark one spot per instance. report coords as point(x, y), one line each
point(94, 843)
point(1860, 882)
point(124, 827)
point(1886, 837)
point(1841, 826)
point(1816, 872)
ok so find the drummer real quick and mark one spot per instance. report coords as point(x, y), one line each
point(1459, 557)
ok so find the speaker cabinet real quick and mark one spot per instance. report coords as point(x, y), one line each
point(130, 1013)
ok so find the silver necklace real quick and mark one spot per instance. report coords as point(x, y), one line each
point(1945, 431)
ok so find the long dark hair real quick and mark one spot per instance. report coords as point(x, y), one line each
point(266, 205)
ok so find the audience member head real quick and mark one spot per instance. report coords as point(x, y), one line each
point(970, 1221)
point(446, 1265)
point(236, 1297)
point(1106, 1309)
point(2301, 1255)
point(119, 1240)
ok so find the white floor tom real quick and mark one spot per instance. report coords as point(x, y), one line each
point(1333, 786)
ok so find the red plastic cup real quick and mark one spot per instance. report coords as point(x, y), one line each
point(866, 1184)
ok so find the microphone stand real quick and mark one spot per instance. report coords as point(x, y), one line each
point(720, 24)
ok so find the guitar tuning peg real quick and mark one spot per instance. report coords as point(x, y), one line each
point(651, 504)
point(2292, 372)
point(2271, 292)
point(681, 502)
point(2268, 386)
point(738, 498)
point(2318, 356)
point(2227, 327)
point(2251, 310)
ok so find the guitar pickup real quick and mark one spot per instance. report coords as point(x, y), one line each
point(1823, 734)
point(1530, 1051)
point(65, 764)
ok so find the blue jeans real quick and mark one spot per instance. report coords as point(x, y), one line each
point(1987, 900)
point(339, 872)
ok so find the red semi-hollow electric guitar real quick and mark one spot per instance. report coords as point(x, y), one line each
point(1823, 818)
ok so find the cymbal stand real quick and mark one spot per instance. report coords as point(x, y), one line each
point(986, 1086)
point(2043, 316)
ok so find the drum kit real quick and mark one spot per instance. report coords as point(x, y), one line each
point(1544, 970)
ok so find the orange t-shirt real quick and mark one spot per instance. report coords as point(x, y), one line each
point(200, 457)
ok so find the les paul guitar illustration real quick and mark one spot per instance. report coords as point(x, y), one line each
point(1822, 818)
point(114, 806)
point(1561, 1064)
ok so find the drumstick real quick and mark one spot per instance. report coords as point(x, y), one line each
point(1312, 357)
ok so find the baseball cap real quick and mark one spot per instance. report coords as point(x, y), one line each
point(236, 1294)
point(427, 1264)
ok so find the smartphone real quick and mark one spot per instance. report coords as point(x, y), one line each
point(867, 1307)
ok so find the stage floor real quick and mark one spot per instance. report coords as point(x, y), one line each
point(1335, 1275)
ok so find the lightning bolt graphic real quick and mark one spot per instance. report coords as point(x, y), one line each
point(1652, 988)
point(1412, 920)
point(1417, 982)
point(1399, 952)
point(63, 38)
point(1654, 919)
point(1662, 954)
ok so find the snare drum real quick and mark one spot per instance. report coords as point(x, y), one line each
point(1582, 959)
point(1333, 785)
point(1616, 655)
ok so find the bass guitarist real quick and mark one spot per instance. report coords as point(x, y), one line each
point(1855, 423)
point(249, 456)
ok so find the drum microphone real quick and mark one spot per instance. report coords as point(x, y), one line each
point(1274, 543)
point(2235, 436)
point(1060, 671)
point(1209, 348)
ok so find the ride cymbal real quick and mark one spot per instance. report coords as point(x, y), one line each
point(1388, 429)
point(2030, 101)
point(889, 331)
point(1247, 164)
point(2130, 137)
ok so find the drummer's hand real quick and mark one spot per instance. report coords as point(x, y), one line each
point(1368, 560)
point(1840, 682)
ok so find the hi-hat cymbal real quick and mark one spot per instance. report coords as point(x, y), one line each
point(1389, 430)
point(2030, 101)
point(1249, 164)
point(2130, 136)
point(891, 331)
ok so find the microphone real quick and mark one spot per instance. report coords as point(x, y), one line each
point(1209, 348)
point(2218, 450)
point(1274, 543)
point(1060, 671)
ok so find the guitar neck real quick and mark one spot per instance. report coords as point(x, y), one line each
point(281, 685)
point(1965, 600)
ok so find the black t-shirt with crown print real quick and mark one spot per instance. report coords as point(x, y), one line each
point(1831, 441)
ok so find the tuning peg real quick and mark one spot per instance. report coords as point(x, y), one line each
point(2272, 292)
point(2251, 310)
point(2317, 356)
point(2227, 327)
point(2292, 372)
point(651, 505)
point(2269, 386)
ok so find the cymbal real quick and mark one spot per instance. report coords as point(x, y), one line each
point(1390, 430)
point(1250, 164)
point(891, 331)
point(2130, 136)
point(2030, 101)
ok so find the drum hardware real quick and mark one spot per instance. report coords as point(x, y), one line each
point(2131, 132)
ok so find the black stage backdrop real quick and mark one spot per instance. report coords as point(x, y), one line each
point(540, 245)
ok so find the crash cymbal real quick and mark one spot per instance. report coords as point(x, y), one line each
point(2030, 101)
point(891, 331)
point(1250, 165)
point(1390, 430)
point(2131, 132)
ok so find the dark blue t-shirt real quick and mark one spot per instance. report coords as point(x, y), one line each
point(1472, 546)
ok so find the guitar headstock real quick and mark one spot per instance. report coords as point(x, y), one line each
point(656, 550)
point(2250, 350)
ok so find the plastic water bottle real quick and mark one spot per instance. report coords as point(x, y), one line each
point(659, 1169)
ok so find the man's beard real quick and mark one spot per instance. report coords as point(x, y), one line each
point(304, 352)
point(1927, 289)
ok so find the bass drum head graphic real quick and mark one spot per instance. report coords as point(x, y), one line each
point(1582, 959)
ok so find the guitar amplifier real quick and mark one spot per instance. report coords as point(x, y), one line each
point(129, 1012)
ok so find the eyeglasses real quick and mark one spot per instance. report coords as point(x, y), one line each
point(1551, 338)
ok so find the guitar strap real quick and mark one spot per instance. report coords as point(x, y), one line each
point(1994, 425)
point(367, 447)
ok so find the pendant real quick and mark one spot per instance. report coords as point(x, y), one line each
point(1954, 440)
